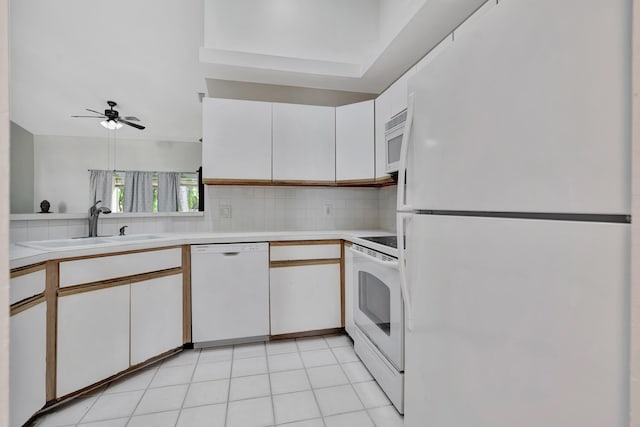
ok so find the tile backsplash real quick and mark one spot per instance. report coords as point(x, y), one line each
point(235, 208)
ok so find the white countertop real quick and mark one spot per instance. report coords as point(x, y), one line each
point(21, 256)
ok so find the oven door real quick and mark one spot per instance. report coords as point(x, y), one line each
point(378, 308)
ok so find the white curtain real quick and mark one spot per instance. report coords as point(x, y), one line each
point(101, 183)
point(138, 191)
point(168, 191)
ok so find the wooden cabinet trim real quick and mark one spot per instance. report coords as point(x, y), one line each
point(331, 331)
point(304, 242)
point(302, 262)
point(120, 281)
point(342, 272)
point(23, 271)
point(365, 183)
point(101, 383)
point(186, 294)
point(106, 255)
point(26, 304)
point(50, 294)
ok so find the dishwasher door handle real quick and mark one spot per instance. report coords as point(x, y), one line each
point(230, 253)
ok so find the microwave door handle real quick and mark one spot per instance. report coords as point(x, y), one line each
point(404, 153)
point(402, 220)
point(391, 264)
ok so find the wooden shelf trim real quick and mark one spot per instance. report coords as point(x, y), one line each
point(120, 281)
point(303, 262)
point(331, 331)
point(304, 242)
point(22, 271)
point(366, 183)
point(106, 255)
point(26, 304)
point(60, 400)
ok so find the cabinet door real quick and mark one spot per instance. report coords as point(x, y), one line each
point(383, 114)
point(236, 139)
point(399, 92)
point(305, 298)
point(93, 337)
point(27, 363)
point(156, 317)
point(355, 143)
point(303, 143)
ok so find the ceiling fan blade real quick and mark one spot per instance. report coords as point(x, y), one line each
point(135, 125)
point(93, 117)
point(131, 118)
point(94, 111)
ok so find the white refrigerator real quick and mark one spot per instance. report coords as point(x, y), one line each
point(514, 203)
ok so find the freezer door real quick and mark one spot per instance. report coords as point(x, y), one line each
point(517, 323)
point(528, 112)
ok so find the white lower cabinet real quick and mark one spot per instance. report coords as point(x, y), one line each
point(156, 317)
point(27, 363)
point(305, 298)
point(93, 337)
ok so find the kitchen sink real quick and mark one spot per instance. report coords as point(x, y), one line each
point(85, 242)
point(61, 244)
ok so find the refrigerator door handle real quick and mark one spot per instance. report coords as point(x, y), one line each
point(404, 153)
point(402, 220)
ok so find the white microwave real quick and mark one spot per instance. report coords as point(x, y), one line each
point(393, 131)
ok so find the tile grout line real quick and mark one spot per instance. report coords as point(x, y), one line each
point(273, 406)
point(143, 393)
point(366, 410)
point(193, 373)
point(90, 406)
point(226, 410)
point(313, 392)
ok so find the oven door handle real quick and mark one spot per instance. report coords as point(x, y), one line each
point(390, 264)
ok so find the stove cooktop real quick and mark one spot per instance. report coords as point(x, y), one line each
point(391, 241)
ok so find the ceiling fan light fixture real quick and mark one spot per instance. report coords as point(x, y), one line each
point(111, 124)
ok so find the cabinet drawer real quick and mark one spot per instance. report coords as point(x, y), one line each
point(27, 284)
point(110, 267)
point(289, 252)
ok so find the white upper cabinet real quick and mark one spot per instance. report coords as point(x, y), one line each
point(355, 142)
point(236, 139)
point(383, 114)
point(398, 92)
point(303, 143)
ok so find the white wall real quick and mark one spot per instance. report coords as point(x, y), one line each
point(394, 15)
point(334, 30)
point(21, 165)
point(252, 209)
point(61, 165)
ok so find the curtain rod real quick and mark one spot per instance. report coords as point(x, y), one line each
point(119, 170)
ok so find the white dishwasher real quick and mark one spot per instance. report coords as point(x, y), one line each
point(229, 293)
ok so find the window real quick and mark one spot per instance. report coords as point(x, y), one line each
point(189, 192)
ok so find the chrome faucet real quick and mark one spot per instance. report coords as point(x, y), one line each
point(94, 213)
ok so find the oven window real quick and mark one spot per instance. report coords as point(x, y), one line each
point(393, 149)
point(374, 300)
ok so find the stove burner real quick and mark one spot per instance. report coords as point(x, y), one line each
point(391, 241)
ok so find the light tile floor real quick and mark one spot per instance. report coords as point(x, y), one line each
point(309, 382)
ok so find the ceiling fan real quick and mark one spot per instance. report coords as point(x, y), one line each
point(113, 120)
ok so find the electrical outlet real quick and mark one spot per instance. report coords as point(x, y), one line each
point(328, 209)
point(224, 211)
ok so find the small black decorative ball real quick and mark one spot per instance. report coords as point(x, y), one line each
point(44, 206)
